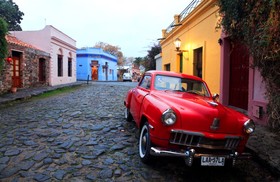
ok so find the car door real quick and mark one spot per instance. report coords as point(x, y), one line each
point(138, 95)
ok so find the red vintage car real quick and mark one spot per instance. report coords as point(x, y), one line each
point(178, 116)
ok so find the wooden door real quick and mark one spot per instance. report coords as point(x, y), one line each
point(42, 70)
point(15, 72)
point(239, 77)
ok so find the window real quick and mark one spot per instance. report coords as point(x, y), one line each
point(167, 67)
point(146, 82)
point(59, 65)
point(69, 67)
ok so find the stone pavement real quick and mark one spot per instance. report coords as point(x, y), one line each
point(263, 144)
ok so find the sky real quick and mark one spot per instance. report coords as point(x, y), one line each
point(132, 25)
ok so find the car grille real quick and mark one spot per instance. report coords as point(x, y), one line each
point(195, 139)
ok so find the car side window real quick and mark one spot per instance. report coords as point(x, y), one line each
point(146, 82)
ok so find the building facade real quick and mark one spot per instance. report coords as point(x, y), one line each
point(199, 52)
point(205, 51)
point(96, 64)
point(26, 66)
point(62, 49)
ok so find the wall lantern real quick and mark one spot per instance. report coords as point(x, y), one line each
point(177, 44)
point(9, 59)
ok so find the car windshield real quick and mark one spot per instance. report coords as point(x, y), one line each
point(181, 85)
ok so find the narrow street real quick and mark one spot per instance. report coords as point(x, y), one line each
point(83, 136)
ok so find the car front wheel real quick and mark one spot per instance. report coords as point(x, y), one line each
point(145, 144)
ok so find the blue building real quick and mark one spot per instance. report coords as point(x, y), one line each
point(96, 64)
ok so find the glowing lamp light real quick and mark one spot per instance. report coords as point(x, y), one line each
point(177, 44)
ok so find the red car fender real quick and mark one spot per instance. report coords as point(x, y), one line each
point(128, 99)
point(152, 110)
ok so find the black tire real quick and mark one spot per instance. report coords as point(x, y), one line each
point(145, 144)
point(127, 115)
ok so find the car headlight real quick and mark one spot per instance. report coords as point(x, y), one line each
point(168, 117)
point(249, 126)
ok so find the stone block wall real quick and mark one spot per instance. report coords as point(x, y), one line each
point(29, 68)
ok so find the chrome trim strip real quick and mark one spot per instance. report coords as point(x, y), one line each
point(188, 132)
point(160, 152)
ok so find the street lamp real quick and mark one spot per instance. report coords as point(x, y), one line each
point(177, 44)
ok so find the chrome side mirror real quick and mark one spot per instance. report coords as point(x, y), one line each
point(216, 97)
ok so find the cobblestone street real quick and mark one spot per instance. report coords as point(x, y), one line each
point(83, 136)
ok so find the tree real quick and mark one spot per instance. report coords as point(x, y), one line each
point(155, 50)
point(138, 61)
point(256, 23)
point(3, 42)
point(114, 50)
point(10, 12)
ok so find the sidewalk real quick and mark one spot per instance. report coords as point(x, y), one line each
point(26, 93)
point(263, 144)
point(265, 147)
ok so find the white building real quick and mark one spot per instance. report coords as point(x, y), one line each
point(158, 59)
point(61, 47)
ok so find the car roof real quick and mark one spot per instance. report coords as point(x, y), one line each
point(171, 73)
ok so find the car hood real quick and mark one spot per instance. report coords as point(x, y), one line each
point(197, 113)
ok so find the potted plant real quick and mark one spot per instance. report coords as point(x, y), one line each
point(14, 89)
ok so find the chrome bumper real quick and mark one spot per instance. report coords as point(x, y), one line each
point(190, 154)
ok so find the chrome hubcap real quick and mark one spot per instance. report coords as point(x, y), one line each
point(144, 143)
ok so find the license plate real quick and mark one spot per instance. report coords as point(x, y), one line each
point(212, 161)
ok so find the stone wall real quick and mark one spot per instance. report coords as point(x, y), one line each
point(29, 68)
point(5, 78)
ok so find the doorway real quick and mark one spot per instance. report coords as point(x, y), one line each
point(239, 76)
point(42, 70)
point(197, 63)
point(94, 70)
point(15, 69)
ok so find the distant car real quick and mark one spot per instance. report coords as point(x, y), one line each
point(178, 116)
point(127, 77)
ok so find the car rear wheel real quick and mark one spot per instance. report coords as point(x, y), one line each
point(145, 144)
point(127, 115)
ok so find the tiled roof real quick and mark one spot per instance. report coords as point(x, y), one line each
point(14, 40)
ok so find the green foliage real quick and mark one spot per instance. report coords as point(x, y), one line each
point(155, 50)
point(138, 61)
point(256, 23)
point(3, 42)
point(57, 92)
point(10, 12)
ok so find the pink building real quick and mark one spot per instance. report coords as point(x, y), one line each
point(62, 49)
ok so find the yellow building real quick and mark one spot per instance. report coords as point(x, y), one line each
point(197, 27)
